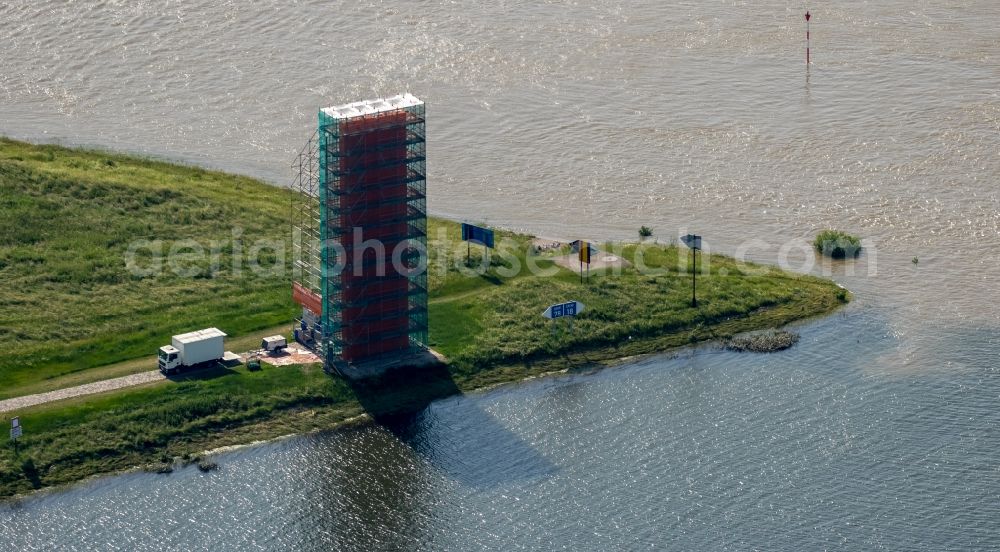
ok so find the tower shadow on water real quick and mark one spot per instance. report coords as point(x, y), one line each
point(428, 412)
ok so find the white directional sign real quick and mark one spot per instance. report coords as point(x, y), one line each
point(15, 428)
point(571, 308)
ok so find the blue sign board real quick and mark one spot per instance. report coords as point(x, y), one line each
point(571, 308)
point(475, 234)
point(692, 241)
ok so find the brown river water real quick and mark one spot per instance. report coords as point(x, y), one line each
point(588, 119)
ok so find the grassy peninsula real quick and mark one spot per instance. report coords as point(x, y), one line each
point(71, 311)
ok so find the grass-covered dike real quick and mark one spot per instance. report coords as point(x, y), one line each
point(69, 217)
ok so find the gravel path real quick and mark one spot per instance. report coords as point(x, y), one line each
point(87, 389)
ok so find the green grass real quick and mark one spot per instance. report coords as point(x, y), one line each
point(837, 244)
point(503, 324)
point(67, 217)
point(73, 439)
point(72, 310)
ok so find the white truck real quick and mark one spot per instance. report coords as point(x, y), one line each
point(192, 349)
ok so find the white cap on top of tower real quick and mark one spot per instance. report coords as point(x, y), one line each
point(368, 107)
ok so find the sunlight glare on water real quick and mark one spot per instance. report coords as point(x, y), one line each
point(589, 119)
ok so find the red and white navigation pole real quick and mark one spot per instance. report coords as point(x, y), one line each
point(808, 17)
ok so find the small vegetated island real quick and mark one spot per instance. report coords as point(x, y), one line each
point(837, 244)
point(73, 312)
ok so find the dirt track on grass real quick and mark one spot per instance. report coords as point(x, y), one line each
point(18, 403)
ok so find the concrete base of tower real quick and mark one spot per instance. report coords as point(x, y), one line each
point(410, 361)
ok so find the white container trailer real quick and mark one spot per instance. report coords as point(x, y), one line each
point(274, 343)
point(192, 349)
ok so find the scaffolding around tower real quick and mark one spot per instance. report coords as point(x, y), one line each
point(360, 232)
point(307, 247)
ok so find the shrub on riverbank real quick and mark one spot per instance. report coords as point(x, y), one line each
point(837, 244)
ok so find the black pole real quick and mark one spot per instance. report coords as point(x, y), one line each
point(581, 269)
point(694, 272)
